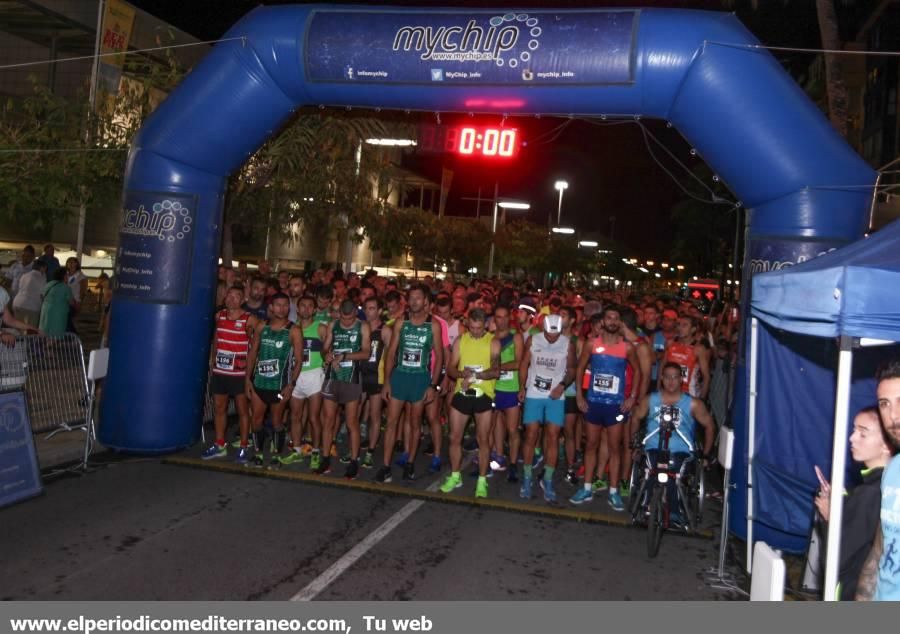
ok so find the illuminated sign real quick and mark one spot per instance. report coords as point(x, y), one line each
point(468, 140)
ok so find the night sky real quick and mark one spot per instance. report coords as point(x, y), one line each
point(609, 170)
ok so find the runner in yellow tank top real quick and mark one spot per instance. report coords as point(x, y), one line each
point(475, 366)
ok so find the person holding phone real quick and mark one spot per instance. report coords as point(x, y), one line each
point(870, 447)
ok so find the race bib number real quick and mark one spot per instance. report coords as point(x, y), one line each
point(267, 367)
point(345, 364)
point(542, 384)
point(475, 370)
point(506, 375)
point(411, 358)
point(373, 356)
point(224, 360)
point(606, 384)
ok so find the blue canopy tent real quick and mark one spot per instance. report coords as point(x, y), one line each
point(848, 298)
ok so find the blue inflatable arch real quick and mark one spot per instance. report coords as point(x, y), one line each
point(804, 187)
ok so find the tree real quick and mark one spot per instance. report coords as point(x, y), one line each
point(58, 154)
point(704, 232)
point(310, 181)
point(522, 245)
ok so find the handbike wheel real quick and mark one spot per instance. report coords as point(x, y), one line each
point(636, 487)
point(655, 522)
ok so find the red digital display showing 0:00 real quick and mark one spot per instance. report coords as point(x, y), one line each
point(469, 141)
point(490, 142)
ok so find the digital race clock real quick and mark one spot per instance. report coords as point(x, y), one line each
point(469, 140)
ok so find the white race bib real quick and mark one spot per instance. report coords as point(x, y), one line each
point(411, 358)
point(224, 360)
point(606, 383)
point(267, 367)
point(344, 364)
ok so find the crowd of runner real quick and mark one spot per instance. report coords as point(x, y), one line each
point(323, 368)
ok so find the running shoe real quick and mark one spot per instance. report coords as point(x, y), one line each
point(346, 458)
point(368, 459)
point(581, 496)
point(525, 489)
point(599, 484)
point(572, 477)
point(498, 463)
point(243, 456)
point(676, 519)
point(324, 467)
point(275, 461)
point(481, 488)
point(409, 472)
point(384, 475)
point(538, 460)
point(402, 460)
point(615, 501)
point(315, 461)
point(236, 443)
point(453, 481)
point(624, 489)
point(512, 474)
point(549, 493)
point(352, 470)
point(435, 465)
point(258, 460)
point(214, 451)
point(292, 457)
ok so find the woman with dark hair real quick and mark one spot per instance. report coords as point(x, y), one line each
point(57, 305)
point(870, 447)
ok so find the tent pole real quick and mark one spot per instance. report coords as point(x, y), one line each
point(751, 435)
point(838, 467)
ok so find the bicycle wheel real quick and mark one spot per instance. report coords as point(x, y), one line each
point(695, 495)
point(656, 521)
point(636, 485)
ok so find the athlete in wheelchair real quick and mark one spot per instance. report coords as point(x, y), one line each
point(667, 476)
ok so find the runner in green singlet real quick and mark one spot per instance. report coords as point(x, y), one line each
point(347, 343)
point(506, 397)
point(307, 395)
point(407, 377)
point(276, 353)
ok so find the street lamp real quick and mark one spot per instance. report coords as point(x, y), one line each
point(587, 243)
point(565, 230)
point(505, 204)
point(392, 142)
point(560, 186)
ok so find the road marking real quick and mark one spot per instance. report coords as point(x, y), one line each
point(335, 570)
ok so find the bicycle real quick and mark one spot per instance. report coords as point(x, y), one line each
point(651, 474)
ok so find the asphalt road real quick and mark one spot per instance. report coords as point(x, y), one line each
point(144, 530)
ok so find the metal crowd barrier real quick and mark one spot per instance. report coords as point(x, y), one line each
point(52, 372)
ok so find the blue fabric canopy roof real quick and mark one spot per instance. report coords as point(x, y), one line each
point(851, 291)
